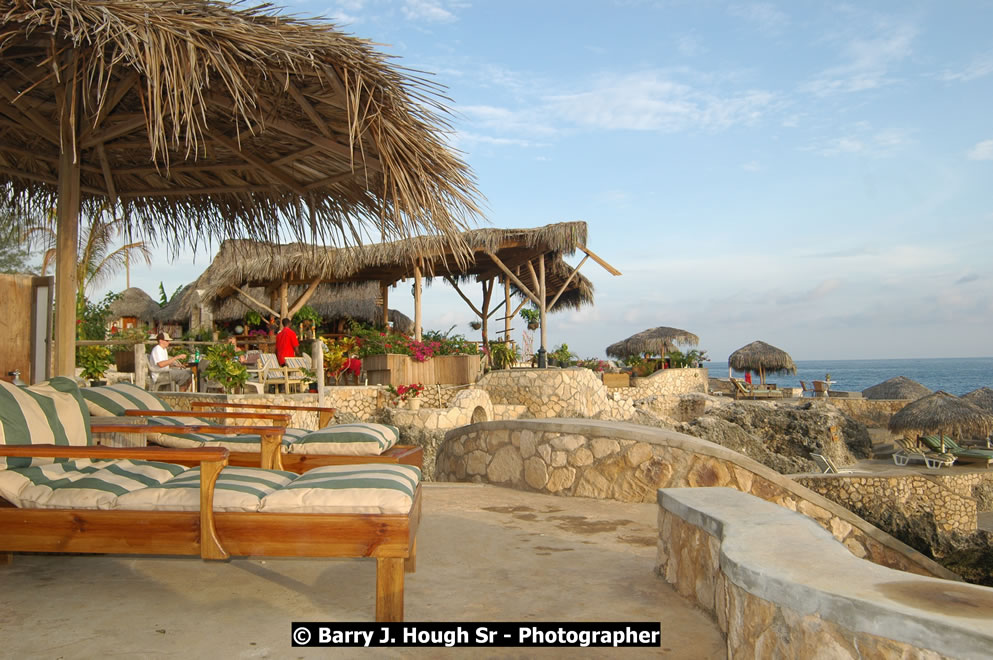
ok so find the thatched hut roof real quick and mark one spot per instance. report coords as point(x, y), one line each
point(177, 310)
point(654, 341)
point(983, 397)
point(134, 302)
point(944, 413)
point(331, 301)
point(210, 120)
point(241, 263)
point(760, 356)
point(899, 387)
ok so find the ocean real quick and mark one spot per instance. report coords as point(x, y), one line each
point(956, 376)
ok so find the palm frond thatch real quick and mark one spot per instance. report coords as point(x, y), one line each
point(134, 302)
point(761, 357)
point(899, 387)
point(202, 120)
point(982, 397)
point(941, 412)
point(654, 341)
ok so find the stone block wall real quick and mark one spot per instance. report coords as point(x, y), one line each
point(791, 592)
point(548, 392)
point(951, 510)
point(874, 413)
point(672, 381)
point(627, 462)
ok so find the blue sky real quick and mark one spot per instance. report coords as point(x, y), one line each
point(813, 174)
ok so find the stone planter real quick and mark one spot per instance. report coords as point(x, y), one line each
point(413, 404)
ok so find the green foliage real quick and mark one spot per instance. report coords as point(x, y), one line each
point(224, 367)
point(307, 313)
point(15, 256)
point(531, 315)
point(95, 360)
point(503, 355)
point(91, 318)
point(596, 364)
point(562, 355)
point(252, 318)
point(204, 334)
point(689, 359)
point(137, 335)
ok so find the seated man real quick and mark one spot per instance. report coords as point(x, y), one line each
point(160, 358)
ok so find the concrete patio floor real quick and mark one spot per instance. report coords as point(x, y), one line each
point(484, 554)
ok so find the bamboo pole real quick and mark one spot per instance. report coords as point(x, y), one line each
point(67, 230)
point(384, 293)
point(542, 353)
point(417, 301)
point(506, 301)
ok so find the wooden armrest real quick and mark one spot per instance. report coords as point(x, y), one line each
point(283, 418)
point(165, 454)
point(325, 414)
point(196, 428)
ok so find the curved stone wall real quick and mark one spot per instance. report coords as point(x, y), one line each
point(627, 462)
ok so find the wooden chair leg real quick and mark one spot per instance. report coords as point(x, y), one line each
point(389, 589)
point(6, 558)
point(410, 563)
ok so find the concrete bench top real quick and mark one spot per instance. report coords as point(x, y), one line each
point(786, 558)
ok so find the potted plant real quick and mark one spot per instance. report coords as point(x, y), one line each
point(562, 356)
point(503, 355)
point(224, 367)
point(308, 378)
point(475, 325)
point(95, 360)
point(406, 394)
point(532, 316)
point(308, 319)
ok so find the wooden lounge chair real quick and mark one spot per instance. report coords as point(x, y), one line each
point(751, 392)
point(908, 450)
point(934, 443)
point(258, 446)
point(170, 509)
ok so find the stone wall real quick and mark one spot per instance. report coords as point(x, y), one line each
point(874, 413)
point(627, 462)
point(792, 592)
point(951, 510)
point(549, 392)
point(671, 382)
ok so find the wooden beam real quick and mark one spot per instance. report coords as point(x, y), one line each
point(544, 295)
point(67, 227)
point(305, 296)
point(513, 277)
point(275, 172)
point(308, 109)
point(610, 269)
point(451, 280)
point(417, 300)
point(108, 175)
point(254, 303)
point(114, 131)
point(384, 293)
point(566, 283)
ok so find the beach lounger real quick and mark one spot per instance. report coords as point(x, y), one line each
point(59, 493)
point(751, 392)
point(827, 466)
point(953, 448)
point(908, 451)
point(293, 449)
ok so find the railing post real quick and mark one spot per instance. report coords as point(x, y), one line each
point(317, 355)
point(140, 366)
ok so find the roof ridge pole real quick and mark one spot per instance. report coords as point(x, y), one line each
point(67, 227)
point(542, 353)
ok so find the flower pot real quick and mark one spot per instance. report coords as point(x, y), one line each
point(533, 325)
point(97, 383)
point(413, 404)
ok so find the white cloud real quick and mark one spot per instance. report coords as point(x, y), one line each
point(431, 11)
point(752, 166)
point(863, 140)
point(982, 151)
point(868, 62)
point(978, 68)
point(764, 15)
point(690, 46)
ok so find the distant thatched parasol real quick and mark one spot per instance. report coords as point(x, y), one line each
point(942, 413)
point(899, 387)
point(654, 341)
point(762, 357)
point(134, 302)
point(983, 397)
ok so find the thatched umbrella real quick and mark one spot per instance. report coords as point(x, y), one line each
point(942, 413)
point(196, 120)
point(899, 387)
point(654, 341)
point(134, 302)
point(983, 398)
point(761, 357)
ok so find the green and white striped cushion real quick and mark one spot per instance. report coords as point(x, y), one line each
point(252, 442)
point(178, 440)
point(237, 489)
point(368, 488)
point(97, 486)
point(52, 412)
point(359, 439)
point(113, 400)
point(14, 480)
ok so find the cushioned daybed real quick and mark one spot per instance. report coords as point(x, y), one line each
point(58, 493)
point(296, 450)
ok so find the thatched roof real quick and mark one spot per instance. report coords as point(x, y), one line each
point(206, 120)
point(944, 413)
point(899, 387)
point(247, 263)
point(177, 310)
point(983, 397)
point(654, 341)
point(134, 302)
point(761, 356)
point(332, 302)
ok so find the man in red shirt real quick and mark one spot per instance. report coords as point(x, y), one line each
point(286, 343)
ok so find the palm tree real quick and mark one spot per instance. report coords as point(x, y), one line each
point(97, 261)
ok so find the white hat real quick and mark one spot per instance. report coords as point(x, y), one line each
point(163, 336)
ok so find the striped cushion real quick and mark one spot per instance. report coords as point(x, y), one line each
point(237, 489)
point(359, 439)
point(252, 443)
point(95, 486)
point(113, 400)
point(47, 413)
point(369, 488)
point(14, 480)
point(178, 440)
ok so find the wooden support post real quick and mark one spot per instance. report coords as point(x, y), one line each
point(544, 311)
point(508, 314)
point(389, 589)
point(272, 455)
point(140, 366)
point(384, 293)
point(410, 563)
point(284, 308)
point(317, 364)
point(210, 545)
point(417, 301)
point(67, 229)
